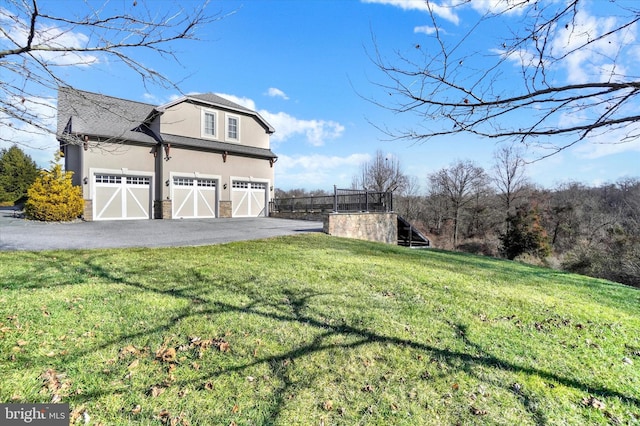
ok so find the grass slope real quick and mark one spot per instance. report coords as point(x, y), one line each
point(315, 330)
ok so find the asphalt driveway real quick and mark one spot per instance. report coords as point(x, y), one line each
point(21, 234)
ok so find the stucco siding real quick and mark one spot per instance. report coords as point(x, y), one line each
point(185, 119)
point(189, 163)
point(118, 157)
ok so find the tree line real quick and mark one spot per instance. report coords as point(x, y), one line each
point(591, 230)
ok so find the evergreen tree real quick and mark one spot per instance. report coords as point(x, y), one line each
point(52, 197)
point(524, 234)
point(17, 172)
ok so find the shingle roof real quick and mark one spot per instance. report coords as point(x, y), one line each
point(107, 117)
point(219, 100)
point(101, 116)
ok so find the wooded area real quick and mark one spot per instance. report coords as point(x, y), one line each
point(591, 230)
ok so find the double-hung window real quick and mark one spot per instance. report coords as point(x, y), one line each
point(233, 127)
point(209, 124)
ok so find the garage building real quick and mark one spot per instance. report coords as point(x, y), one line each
point(200, 156)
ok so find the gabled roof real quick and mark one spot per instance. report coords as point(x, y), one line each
point(216, 101)
point(106, 117)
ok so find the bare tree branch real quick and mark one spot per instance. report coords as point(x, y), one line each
point(574, 80)
point(36, 46)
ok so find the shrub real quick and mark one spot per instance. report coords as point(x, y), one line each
point(52, 197)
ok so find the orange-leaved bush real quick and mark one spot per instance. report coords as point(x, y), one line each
point(52, 197)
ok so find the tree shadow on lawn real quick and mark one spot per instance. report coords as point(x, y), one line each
point(293, 307)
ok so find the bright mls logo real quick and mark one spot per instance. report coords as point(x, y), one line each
point(34, 414)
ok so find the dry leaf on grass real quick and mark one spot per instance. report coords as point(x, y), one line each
point(477, 411)
point(593, 402)
point(127, 350)
point(54, 384)
point(164, 416)
point(166, 354)
point(156, 391)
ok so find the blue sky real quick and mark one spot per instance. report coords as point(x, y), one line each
point(304, 66)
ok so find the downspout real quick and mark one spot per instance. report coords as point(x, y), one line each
point(159, 181)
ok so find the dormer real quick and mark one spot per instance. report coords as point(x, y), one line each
point(211, 117)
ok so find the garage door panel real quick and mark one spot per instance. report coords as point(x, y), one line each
point(183, 202)
point(240, 200)
point(206, 203)
point(194, 197)
point(249, 198)
point(122, 197)
point(108, 203)
point(257, 203)
point(135, 209)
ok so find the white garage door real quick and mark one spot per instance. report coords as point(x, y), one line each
point(121, 197)
point(193, 197)
point(249, 198)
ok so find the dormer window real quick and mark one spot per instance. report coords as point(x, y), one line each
point(233, 127)
point(209, 124)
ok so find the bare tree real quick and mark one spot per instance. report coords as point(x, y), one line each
point(562, 71)
point(408, 202)
point(509, 176)
point(37, 48)
point(460, 183)
point(384, 173)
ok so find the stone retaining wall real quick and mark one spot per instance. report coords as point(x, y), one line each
point(380, 227)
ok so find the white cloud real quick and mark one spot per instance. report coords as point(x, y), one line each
point(443, 10)
point(49, 36)
point(39, 144)
point(599, 148)
point(245, 102)
point(498, 6)
point(277, 93)
point(317, 171)
point(425, 29)
point(316, 132)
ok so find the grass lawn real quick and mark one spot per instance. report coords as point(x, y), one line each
point(315, 330)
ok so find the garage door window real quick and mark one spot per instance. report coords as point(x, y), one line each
point(108, 179)
point(136, 180)
point(182, 181)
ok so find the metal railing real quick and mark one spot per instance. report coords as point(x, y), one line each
point(342, 200)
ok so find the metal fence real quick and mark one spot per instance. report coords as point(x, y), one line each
point(342, 200)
